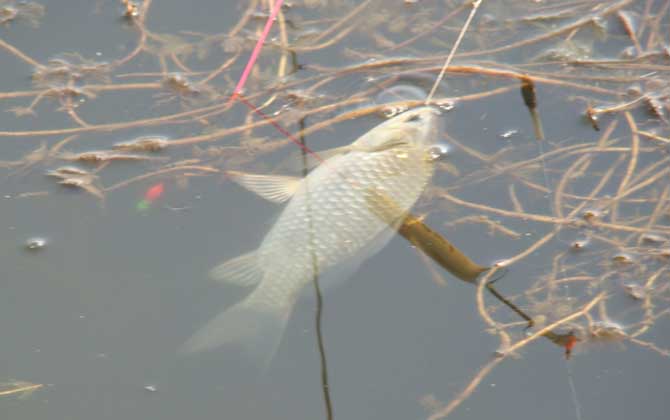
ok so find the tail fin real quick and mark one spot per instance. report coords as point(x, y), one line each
point(252, 325)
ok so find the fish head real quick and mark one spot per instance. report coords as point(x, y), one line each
point(418, 127)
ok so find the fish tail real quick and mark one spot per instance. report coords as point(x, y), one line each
point(254, 325)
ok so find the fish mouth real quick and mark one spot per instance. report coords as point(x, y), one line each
point(430, 109)
point(429, 129)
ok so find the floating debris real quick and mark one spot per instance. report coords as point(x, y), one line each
point(446, 105)
point(591, 116)
point(103, 156)
point(654, 239)
point(22, 388)
point(131, 9)
point(636, 291)
point(143, 144)
point(607, 331)
point(401, 93)
point(391, 111)
point(438, 151)
point(579, 245)
point(509, 133)
point(70, 69)
point(11, 11)
point(592, 215)
point(65, 171)
point(71, 176)
point(36, 244)
point(566, 51)
point(180, 84)
point(623, 259)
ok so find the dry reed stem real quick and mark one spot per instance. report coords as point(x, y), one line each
point(467, 391)
point(21, 389)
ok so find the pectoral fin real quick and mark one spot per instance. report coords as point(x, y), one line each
point(275, 188)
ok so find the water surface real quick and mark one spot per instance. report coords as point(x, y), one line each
point(98, 314)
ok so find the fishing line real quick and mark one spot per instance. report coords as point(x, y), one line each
point(304, 151)
point(315, 280)
point(573, 391)
point(475, 6)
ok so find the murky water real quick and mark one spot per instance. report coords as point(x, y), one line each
point(99, 290)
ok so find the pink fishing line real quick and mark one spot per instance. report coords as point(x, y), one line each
point(257, 50)
point(281, 129)
point(245, 74)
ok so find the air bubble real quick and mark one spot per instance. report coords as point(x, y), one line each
point(35, 244)
point(622, 259)
point(438, 151)
point(401, 93)
point(509, 133)
point(446, 105)
point(580, 244)
point(392, 111)
point(635, 291)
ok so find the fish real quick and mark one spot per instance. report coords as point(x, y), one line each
point(328, 222)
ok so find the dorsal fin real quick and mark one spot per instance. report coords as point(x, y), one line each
point(296, 161)
point(275, 188)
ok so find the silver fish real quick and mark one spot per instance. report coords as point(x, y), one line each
point(328, 222)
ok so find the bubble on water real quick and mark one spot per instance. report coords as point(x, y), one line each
point(446, 105)
point(607, 331)
point(623, 259)
point(401, 93)
point(592, 215)
point(635, 290)
point(654, 239)
point(35, 244)
point(501, 263)
point(392, 111)
point(438, 151)
point(509, 133)
point(579, 244)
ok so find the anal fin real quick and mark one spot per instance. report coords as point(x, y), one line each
point(242, 271)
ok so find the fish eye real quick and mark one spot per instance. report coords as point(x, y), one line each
point(414, 118)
